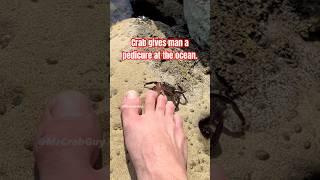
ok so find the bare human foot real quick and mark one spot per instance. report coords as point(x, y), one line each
point(66, 145)
point(155, 140)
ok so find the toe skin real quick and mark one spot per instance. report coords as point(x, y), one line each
point(150, 101)
point(180, 137)
point(161, 104)
point(170, 109)
point(131, 106)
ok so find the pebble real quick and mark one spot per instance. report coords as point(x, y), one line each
point(3, 109)
point(262, 155)
point(297, 128)
point(191, 110)
point(307, 145)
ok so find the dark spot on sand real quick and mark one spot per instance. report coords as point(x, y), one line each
point(35, 1)
point(5, 40)
point(90, 6)
point(114, 92)
point(96, 96)
point(307, 145)
point(3, 109)
point(51, 61)
point(28, 146)
point(262, 155)
point(17, 100)
point(3, 173)
point(140, 91)
point(286, 136)
point(297, 128)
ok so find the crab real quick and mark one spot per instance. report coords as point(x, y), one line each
point(173, 93)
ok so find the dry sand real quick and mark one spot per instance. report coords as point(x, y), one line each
point(126, 75)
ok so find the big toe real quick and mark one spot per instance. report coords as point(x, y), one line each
point(70, 114)
point(131, 106)
point(69, 117)
point(70, 105)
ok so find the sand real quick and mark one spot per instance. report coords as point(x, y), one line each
point(269, 55)
point(45, 47)
point(49, 46)
point(127, 75)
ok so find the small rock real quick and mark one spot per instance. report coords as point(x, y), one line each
point(262, 155)
point(191, 110)
point(307, 145)
point(3, 109)
point(297, 128)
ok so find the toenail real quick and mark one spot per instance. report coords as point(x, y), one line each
point(132, 94)
point(71, 106)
